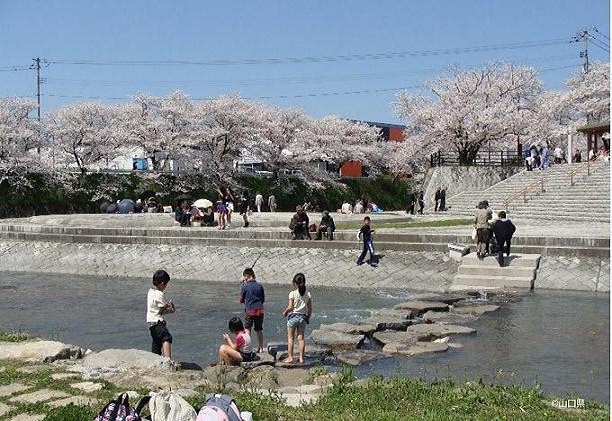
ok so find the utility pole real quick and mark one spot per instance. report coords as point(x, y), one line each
point(584, 36)
point(36, 66)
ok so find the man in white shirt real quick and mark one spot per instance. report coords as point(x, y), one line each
point(258, 201)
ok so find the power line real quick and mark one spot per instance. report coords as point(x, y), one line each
point(320, 59)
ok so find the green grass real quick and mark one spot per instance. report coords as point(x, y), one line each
point(411, 224)
point(379, 399)
point(14, 336)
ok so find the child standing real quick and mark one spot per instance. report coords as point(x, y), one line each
point(239, 350)
point(298, 312)
point(157, 307)
point(253, 297)
point(366, 233)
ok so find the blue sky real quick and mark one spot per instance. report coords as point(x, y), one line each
point(328, 55)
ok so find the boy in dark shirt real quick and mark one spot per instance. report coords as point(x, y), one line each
point(366, 233)
point(503, 230)
point(252, 296)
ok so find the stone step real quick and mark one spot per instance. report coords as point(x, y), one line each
point(522, 260)
point(484, 271)
point(494, 281)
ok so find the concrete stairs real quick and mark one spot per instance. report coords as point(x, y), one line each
point(588, 199)
point(519, 272)
point(343, 240)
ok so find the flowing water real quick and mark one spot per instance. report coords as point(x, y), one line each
point(558, 339)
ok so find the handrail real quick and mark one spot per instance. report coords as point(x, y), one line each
point(524, 190)
point(586, 165)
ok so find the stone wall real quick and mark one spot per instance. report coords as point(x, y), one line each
point(398, 270)
point(460, 179)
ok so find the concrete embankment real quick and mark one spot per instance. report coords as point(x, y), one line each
point(134, 246)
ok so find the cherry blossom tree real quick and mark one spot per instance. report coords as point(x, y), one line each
point(337, 140)
point(280, 141)
point(84, 134)
point(160, 126)
point(465, 111)
point(219, 129)
point(18, 131)
point(589, 93)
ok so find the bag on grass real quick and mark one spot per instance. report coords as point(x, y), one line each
point(219, 408)
point(169, 406)
point(120, 410)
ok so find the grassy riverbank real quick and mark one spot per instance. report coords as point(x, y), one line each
point(376, 399)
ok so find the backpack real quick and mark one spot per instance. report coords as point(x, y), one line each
point(219, 408)
point(120, 410)
point(169, 406)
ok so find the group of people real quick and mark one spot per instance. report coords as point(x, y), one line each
point(187, 214)
point(362, 205)
point(236, 349)
point(440, 199)
point(492, 234)
point(301, 228)
point(413, 198)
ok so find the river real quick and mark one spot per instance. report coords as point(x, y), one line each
point(558, 339)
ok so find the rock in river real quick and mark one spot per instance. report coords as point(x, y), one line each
point(388, 322)
point(361, 329)
point(448, 317)
point(336, 340)
point(40, 351)
point(419, 307)
point(415, 349)
point(428, 331)
point(355, 357)
point(475, 309)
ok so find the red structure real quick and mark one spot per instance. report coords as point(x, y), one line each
point(388, 133)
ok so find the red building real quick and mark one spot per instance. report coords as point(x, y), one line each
point(388, 133)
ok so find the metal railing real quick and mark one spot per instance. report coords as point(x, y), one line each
point(586, 166)
point(523, 192)
point(487, 158)
point(582, 167)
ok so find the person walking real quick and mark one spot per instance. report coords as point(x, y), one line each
point(503, 229)
point(298, 313)
point(365, 233)
point(481, 223)
point(410, 202)
point(272, 203)
point(437, 199)
point(258, 201)
point(421, 200)
point(442, 200)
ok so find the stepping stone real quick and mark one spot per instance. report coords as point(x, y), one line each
point(434, 330)
point(62, 376)
point(28, 417)
point(336, 340)
point(39, 396)
point(448, 317)
point(475, 310)
point(9, 389)
point(415, 349)
point(75, 400)
point(388, 322)
point(356, 357)
point(420, 307)
point(88, 387)
point(393, 313)
point(262, 359)
point(5, 409)
point(362, 329)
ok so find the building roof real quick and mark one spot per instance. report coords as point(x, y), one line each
point(595, 127)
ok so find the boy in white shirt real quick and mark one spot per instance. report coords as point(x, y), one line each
point(157, 306)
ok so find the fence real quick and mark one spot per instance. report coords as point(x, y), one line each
point(488, 158)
